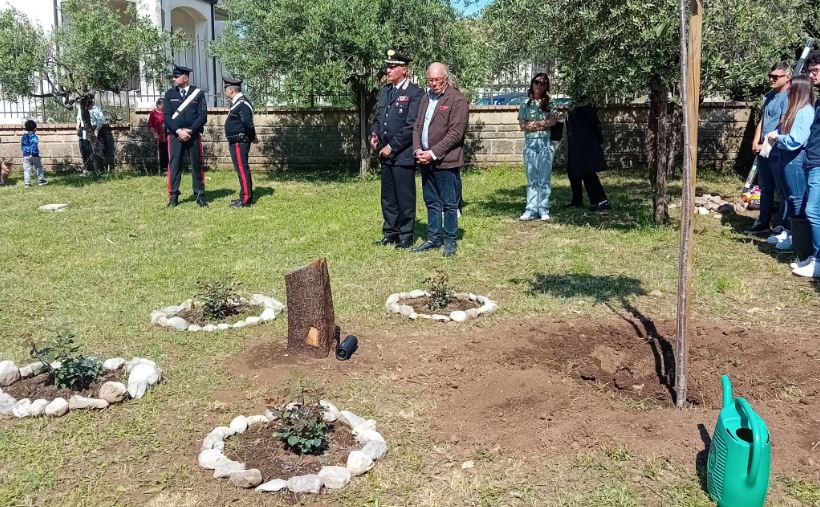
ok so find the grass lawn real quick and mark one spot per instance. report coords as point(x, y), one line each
point(117, 253)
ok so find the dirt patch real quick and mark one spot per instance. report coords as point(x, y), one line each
point(195, 315)
point(422, 305)
point(259, 448)
point(37, 387)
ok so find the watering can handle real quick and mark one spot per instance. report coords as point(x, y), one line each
point(727, 390)
point(757, 434)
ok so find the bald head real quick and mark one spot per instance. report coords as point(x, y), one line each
point(437, 77)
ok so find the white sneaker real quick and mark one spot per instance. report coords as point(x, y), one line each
point(527, 216)
point(800, 264)
point(810, 270)
point(545, 217)
point(786, 244)
point(777, 238)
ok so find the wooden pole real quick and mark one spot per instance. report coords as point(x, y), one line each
point(691, 11)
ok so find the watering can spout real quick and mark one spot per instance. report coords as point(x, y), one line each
point(727, 390)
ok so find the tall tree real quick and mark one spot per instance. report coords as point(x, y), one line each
point(290, 50)
point(628, 48)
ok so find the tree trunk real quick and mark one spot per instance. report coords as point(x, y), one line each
point(311, 320)
point(364, 149)
point(660, 150)
point(96, 149)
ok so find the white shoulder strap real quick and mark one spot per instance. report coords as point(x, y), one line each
point(238, 102)
point(185, 103)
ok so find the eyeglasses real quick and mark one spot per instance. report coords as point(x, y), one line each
point(540, 83)
point(775, 77)
point(436, 79)
point(814, 70)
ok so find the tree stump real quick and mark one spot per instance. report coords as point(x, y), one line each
point(311, 320)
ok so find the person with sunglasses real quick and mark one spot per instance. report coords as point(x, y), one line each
point(391, 134)
point(535, 118)
point(775, 104)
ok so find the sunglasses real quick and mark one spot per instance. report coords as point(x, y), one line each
point(776, 76)
point(539, 83)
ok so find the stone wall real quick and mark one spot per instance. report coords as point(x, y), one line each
point(328, 138)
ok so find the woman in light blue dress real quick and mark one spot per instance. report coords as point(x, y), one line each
point(535, 119)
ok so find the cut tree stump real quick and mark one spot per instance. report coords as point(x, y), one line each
point(311, 321)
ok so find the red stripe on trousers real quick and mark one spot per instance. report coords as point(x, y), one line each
point(168, 140)
point(246, 194)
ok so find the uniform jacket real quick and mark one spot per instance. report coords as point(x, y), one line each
point(447, 128)
point(193, 117)
point(585, 155)
point(394, 119)
point(240, 121)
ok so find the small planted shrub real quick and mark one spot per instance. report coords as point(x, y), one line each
point(76, 371)
point(302, 428)
point(219, 299)
point(441, 294)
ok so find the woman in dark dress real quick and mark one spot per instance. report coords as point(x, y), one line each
point(585, 156)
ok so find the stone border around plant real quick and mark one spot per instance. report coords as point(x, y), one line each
point(359, 462)
point(166, 317)
point(394, 305)
point(142, 373)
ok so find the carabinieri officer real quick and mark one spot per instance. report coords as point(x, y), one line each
point(186, 111)
point(391, 132)
point(241, 133)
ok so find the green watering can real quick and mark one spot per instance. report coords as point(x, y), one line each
point(737, 474)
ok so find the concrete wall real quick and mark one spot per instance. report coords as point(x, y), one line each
point(328, 138)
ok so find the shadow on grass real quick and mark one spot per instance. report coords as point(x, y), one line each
point(570, 285)
point(77, 180)
point(702, 457)
point(323, 175)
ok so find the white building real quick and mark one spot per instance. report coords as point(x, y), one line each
point(200, 20)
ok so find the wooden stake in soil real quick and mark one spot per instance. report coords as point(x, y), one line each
point(311, 320)
point(690, 94)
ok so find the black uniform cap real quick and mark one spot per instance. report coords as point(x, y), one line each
point(229, 81)
point(179, 70)
point(396, 58)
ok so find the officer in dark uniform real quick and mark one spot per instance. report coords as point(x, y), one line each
point(241, 133)
point(391, 133)
point(186, 111)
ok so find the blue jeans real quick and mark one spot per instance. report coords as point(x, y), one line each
point(789, 170)
point(438, 188)
point(813, 207)
point(768, 188)
point(538, 155)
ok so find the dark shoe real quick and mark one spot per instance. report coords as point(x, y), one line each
point(427, 245)
point(386, 241)
point(173, 202)
point(236, 201)
point(449, 249)
point(201, 203)
point(405, 244)
point(601, 206)
point(758, 228)
point(238, 204)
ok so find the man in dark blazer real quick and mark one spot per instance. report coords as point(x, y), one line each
point(585, 156)
point(438, 145)
point(186, 111)
point(240, 132)
point(391, 133)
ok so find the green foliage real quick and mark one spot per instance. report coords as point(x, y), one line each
point(76, 372)
point(23, 49)
point(441, 294)
point(218, 299)
point(302, 428)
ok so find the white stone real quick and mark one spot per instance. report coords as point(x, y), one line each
point(350, 419)
point(365, 435)
point(471, 296)
point(266, 315)
point(246, 479)
point(701, 211)
point(256, 419)
point(209, 328)
point(439, 317)
point(253, 320)
point(162, 321)
point(406, 310)
point(239, 424)
point(57, 407)
point(194, 328)
point(38, 407)
point(417, 293)
point(113, 392)
point(404, 295)
point(223, 326)
point(26, 372)
point(213, 440)
point(115, 363)
point(270, 416)
point(142, 376)
point(56, 365)
point(458, 316)
point(80, 402)
point(227, 467)
point(156, 315)
point(170, 311)
point(209, 459)
point(178, 323)
point(334, 477)
point(186, 305)
point(223, 431)
point(393, 307)
point(239, 324)
point(375, 450)
point(59, 208)
point(273, 486)
point(482, 299)
point(392, 298)
point(37, 367)
point(358, 463)
point(9, 373)
point(488, 307)
point(330, 413)
point(472, 313)
point(261, 300)
point(413, 316)
point(130, 365)
point(22, 408)
point(305, 484)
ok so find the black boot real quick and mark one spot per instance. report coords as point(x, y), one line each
point(449, 249)
point(200, 201)
point(173, 201)
point(427, 245)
